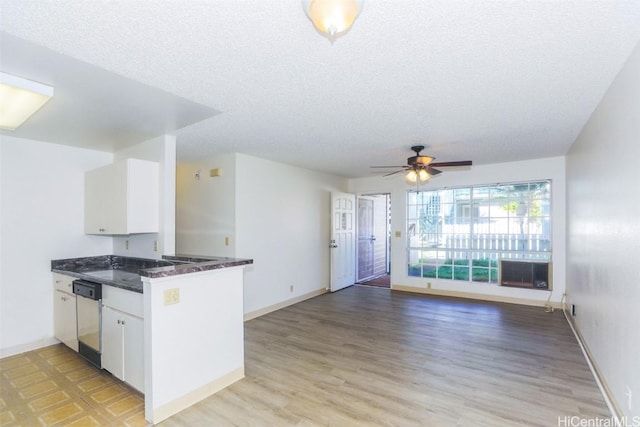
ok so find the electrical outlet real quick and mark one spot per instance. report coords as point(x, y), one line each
point(171, 296)
point(226, 241)
point(428, 285)
point(155, 246)
point(291, 288)
point(398, 234)
point(126, 244)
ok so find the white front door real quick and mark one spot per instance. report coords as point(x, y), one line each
point(343, 240)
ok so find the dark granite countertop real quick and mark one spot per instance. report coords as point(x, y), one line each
point(125, 272)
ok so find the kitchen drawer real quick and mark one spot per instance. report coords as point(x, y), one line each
point(123, 300)
point(63, 283)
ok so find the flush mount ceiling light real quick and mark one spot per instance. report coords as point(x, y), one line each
point(332, 18)
point(19, 99)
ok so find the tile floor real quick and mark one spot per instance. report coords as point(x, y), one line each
point(52, 386)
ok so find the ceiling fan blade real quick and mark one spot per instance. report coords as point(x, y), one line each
point(386, 166)
point(444, 164)
point(393, 173)
point(431, 171)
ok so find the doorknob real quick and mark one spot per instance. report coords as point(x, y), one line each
point(332, 244)
point(373, 237)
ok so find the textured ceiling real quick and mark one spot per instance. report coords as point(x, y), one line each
point(490, 81)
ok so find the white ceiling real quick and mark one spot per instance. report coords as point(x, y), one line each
point(488, 81)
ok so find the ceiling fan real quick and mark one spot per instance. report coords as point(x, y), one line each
point(421, 168)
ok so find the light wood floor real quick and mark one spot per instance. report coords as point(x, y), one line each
point(368, 356)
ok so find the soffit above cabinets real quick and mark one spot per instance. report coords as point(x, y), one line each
point(93, 108)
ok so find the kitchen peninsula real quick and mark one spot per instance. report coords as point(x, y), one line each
point(191, 309)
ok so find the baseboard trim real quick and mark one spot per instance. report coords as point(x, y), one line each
point(475, 296)
point(23, 348)
point(613, 406)
point(168, 409)
point(283, 304)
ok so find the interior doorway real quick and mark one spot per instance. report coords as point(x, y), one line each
point(373, 240)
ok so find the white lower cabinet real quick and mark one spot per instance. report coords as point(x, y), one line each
point(123, 346)
point(112, 342)
point(123, 339)
point(64, 311)
point(134, 352)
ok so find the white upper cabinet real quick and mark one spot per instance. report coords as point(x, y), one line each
point(122, 198)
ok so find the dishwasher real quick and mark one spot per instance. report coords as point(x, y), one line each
point(89, 315)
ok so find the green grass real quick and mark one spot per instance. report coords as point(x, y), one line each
point(459, 270)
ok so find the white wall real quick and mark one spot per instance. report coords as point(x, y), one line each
point(283, 223)
point(551, 168)
point(162, 150)
point(1, 240)
point(206, 207)
point(42, 219)
point(276, 214)
point(603, 276)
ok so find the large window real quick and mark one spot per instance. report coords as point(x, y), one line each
point(461, 233)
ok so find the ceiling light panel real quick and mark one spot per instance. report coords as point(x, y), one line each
point(20, 99)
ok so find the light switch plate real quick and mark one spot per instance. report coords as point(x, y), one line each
point(398, 233)
point(171, 296)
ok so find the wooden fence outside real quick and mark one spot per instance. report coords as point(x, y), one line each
point(484, 245)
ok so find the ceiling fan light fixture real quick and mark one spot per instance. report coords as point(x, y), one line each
point(423, 175)
point(417, 175)
point(423, 160)
point(332, 17)
point(420, 169)
point(411, 177)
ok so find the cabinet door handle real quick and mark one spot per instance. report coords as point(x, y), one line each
point(123, 322)
point(118, 321)
point(63, 298)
